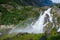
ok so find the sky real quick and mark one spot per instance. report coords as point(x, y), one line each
point(56, 1)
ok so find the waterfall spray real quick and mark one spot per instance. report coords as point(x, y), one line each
point(38, 26)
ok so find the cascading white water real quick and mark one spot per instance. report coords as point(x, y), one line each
point(38, 26)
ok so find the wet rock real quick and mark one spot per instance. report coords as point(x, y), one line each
point(43, 37)
point(20, 34)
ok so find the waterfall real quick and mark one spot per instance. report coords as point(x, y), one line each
point(38, 26)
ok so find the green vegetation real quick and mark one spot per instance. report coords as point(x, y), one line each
point(22, 37)
point(11, 12)
point(54, 37)
point(30, 37)
point(15, 15)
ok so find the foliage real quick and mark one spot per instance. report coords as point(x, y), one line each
point(58, 5)
point(22, 37)
point(54, 37)
point(30, 37)
point(15, 15)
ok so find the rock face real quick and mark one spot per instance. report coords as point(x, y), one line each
point(44, 37)
point(37, 3)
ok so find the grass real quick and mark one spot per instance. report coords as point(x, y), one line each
point(22, 37)
point(29, 37)
point(54, 37)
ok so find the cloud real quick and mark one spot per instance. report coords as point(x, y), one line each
point(56, 1)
